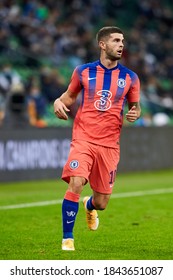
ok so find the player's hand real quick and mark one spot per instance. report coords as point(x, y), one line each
point(132, 114)
point(60, 109)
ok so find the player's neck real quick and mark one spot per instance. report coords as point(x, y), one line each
point(108, 63)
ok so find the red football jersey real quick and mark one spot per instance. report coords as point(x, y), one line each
point(104, 93)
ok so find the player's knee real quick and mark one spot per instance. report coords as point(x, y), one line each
point(76, 184)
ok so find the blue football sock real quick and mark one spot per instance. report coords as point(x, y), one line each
point(89, 205)
point(69, 212)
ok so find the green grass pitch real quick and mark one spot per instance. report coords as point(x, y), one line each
point(136, 225)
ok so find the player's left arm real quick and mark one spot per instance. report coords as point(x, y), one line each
point(134, 111)
point(133, 99)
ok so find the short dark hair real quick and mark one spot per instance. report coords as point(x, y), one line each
point(106, 31)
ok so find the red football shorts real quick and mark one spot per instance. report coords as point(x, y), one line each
point(97, 164)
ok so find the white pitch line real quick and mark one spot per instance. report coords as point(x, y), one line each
point(59, 201)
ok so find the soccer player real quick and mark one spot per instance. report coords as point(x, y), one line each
point(105, 86)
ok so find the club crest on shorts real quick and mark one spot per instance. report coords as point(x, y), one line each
point(121, 83)
point(74, 164)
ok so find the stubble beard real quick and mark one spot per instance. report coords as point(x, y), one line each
point(112, 57)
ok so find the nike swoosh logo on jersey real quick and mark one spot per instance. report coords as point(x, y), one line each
point(91, 78)
point(69, 222)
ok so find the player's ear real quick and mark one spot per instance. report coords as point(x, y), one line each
point(102, 45)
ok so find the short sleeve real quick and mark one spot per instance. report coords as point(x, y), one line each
point(75, 84)
point(134, 91)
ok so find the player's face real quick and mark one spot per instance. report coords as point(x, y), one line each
point(114, 46)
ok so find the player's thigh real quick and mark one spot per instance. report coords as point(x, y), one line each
point(79, 161)
point(104, 170)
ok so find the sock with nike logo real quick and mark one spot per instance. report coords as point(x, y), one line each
point(70, 208)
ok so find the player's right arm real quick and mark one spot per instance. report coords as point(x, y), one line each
point(62, 103)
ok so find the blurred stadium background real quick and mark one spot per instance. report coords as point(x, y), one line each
point(40, 44)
